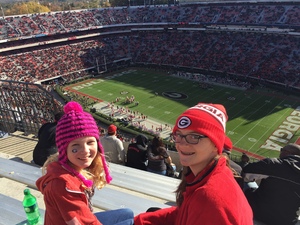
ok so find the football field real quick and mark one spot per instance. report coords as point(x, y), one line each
point(260, 121)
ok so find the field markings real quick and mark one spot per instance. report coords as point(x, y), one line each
point(258, 124)
point(279, 118)
point(161, 110)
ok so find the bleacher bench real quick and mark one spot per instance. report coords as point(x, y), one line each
point(12, 212)
point(155, 185)
point(112, 196)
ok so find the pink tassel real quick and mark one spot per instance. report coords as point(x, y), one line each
point(86, 182)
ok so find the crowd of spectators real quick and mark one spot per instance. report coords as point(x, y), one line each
point(270, 13)
point(68, 60)
point(268, 57)
point(26, 106)
point(260, 55)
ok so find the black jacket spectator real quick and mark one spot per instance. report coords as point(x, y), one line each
point(277, 199)
point(137, 153)
point(46, 144)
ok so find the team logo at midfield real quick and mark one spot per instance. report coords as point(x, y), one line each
point(174, 95)
point(184, 122)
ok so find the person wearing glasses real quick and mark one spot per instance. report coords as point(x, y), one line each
point(208, 193)
point(276, 201)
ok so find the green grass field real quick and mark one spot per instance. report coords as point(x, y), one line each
point(254, 115)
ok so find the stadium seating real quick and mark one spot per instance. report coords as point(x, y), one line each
point(250, 43)
point(130, 188)
point(71, 21)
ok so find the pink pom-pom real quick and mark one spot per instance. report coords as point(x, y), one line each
point(73, 106)
point(108, 179)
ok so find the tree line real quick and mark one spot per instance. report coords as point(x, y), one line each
point(21, 7)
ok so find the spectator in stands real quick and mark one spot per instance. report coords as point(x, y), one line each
point(71, 176)
point(137, 153)
point(158, 157)
point(113, 146)
point(277, 199)
point(236, 168)
point(244, 160)
point(208, 193)
point(46, 145)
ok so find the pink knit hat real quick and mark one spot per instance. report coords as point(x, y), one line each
point(206, 119)
point(76, 123)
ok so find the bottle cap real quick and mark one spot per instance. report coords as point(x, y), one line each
point(26, 191)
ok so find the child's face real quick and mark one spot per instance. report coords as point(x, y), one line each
point(196, 156)
point(82, 151)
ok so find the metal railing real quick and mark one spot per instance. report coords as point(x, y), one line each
point(25, 107)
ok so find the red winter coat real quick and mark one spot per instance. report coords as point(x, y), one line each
point(210, 199)
point(64, 197)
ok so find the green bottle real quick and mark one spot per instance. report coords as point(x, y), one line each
point(31, 208)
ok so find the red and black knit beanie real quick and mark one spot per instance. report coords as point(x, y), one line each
point(206, 119)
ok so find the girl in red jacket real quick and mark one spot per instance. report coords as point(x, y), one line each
point(73, 174)
point(208, 193)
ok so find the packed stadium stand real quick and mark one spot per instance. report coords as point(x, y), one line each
point(25, 107)
point(257, 41)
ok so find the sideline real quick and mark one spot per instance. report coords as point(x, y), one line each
point(146, 124)
point(251, 154)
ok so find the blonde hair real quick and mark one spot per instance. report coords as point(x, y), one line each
point(94, 172)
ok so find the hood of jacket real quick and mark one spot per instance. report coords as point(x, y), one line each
point(56, 171)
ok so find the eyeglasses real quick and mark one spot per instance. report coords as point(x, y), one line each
point(189, 138)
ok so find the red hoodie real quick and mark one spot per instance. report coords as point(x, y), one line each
point(211, 198)
point(64, 197)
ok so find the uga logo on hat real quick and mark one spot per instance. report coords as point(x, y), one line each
point(183, 122)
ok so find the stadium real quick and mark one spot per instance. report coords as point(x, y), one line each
point(243, 54)
point(246, 45)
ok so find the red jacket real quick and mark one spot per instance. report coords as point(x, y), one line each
point(64, 197)
point(213, 199)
